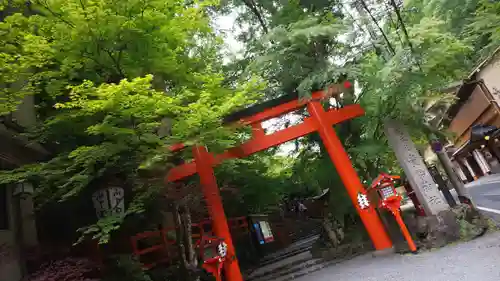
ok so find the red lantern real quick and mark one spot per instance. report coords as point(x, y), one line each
point(213, 252)
point(391, 200)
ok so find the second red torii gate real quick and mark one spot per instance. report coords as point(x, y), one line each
point(321, 121)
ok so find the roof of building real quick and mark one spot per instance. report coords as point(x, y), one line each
point(463, 92)
point(256, 108)
point(484, 62)
point(464, 88)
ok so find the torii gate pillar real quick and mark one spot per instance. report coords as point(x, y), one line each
point(216, 210)
point(348, 176)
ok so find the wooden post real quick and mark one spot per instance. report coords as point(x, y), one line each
point(452, 176)
point(216, 210)
point(349, 177)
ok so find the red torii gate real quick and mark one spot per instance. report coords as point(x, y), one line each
point(321, 121)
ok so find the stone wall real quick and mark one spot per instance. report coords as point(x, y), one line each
point(459, 223)
point(10, 269)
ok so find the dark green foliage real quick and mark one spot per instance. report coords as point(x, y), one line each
point(124, 268)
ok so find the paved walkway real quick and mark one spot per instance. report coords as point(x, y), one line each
point(477, 260)
point(485, 193)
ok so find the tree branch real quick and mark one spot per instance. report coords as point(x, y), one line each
point(377, 49)
point(358, 98)
point(98, 63)
point(116, 61)
point(394, 24)
point(58, 16)
point(81, 4)
point(378, 26)
point(253, 7)
point(400, 19)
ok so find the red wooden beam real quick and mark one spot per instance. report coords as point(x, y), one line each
point(252, 146)
point(279, 110)
point(348, 175)
point(265, 115)
point(264, 142)
point(181, 171)
point(333, 90)
point(177, 147)
point(216, 210)
point(257, 130)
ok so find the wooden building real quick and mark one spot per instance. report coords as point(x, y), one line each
point(477, 104)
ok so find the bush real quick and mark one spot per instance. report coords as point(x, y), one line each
point(124, 268)
point(68, 269)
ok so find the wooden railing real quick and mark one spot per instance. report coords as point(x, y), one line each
point(164, 250)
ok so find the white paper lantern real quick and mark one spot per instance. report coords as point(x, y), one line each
point(109, 201)
point(363, 201)
point(222, 249)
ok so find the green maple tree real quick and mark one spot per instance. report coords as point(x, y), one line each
point(117, 82)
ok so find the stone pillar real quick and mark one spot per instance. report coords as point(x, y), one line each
point(459, 171)
point(469, 168)
point(494, 149)
point(481, 161)
point(10, 260)
point(442, 186)
point(27, 215)
point(462, 192)
point(491, 159)
point(415, 170)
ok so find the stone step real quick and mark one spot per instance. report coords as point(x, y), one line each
point(300, 246)
point(281, 265)
point(286, 270)
point(305, 271)
point(294, 238)
point(301, 269)
point(305, 248)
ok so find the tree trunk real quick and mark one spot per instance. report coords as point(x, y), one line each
point(179, 237)
point(339, 229)
point(330, 232)
point(190, 252)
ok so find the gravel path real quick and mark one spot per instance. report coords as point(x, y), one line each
point(477, 260)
